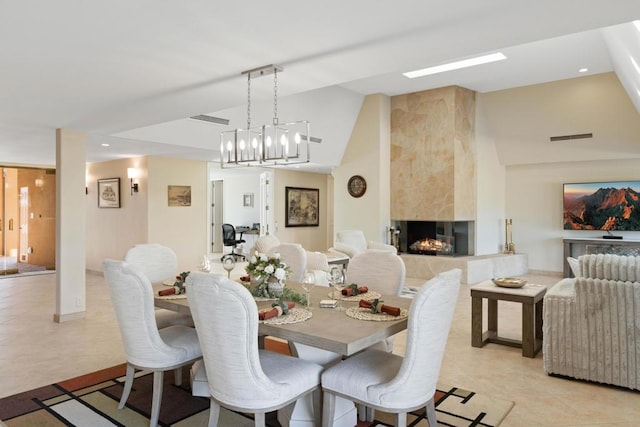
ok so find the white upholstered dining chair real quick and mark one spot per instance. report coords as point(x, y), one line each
point(380, 271)
point(393, 383)
point(158, 263)
point(241, 377)
point(294, 255)
point(145, 346)
point(264, 243)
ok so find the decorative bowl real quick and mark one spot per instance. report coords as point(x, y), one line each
point(509, 282)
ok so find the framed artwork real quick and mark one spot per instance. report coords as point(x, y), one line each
point(179, 195)
point(302, 207)
point(247, 200)
point(109, 193)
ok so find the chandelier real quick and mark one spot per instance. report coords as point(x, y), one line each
point(275, 144)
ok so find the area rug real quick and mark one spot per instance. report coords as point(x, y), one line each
point(91, 400)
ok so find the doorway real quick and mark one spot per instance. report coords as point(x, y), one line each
point(27, 221)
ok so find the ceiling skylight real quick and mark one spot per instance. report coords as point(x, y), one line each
point(485, 59)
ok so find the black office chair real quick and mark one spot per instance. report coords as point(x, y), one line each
point(229, 239)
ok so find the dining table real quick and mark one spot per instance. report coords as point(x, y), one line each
point(328, 329)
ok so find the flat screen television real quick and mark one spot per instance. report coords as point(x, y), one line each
point(602, 206)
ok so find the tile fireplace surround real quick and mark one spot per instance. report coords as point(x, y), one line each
point(475, 269)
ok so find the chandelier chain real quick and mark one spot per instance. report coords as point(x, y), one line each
point(249, 101)
point(275, 96)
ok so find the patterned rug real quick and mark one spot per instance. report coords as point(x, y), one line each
point(91, 400)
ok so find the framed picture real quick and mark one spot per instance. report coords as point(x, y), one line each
point(247, 200)
point(302, 207)
point(109, 193)
point(179, 195)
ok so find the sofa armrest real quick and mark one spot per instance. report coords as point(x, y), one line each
point(382, 246)
point(565, 288)
point(345, 249)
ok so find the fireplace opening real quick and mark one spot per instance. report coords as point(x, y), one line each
point(435, 238)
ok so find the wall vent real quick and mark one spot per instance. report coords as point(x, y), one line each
point(211, 119)
point(570, 137)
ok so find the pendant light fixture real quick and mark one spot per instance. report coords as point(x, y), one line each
point(275, 144)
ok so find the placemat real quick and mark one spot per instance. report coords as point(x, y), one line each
point(174, 296)
point(366, 314)
point(370, 295)
point(296, 315)
point(260, 299)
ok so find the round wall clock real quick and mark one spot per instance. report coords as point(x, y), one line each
point(357, 186)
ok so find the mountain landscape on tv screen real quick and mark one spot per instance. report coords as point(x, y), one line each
point(605, 209)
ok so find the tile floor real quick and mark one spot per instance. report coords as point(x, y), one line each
point(35, 351)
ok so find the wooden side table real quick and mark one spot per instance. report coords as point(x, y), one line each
point(337, 258)
point(531, 298)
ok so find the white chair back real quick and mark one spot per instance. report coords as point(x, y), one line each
point(353, 238)
point(294, 255)
point(226, 318)
point(132, 297)
point(428, 326)
point(264, 243)
point(378, 270)
point(157, 262)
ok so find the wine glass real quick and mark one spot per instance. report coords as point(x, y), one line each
point(206, 264)
point(308, 282)
point(228, 263)
point(336, 280)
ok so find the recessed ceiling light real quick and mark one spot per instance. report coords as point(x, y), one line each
point(104, 144)
point(583, 70)
point(485, 59)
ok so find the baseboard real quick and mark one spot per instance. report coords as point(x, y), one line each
point(69, 317)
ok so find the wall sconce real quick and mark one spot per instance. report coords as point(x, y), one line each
point(132, 173)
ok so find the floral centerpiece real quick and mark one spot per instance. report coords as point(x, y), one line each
point(269, 272)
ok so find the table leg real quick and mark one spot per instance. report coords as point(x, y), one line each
point(539, 319)
point(528, 333)
point(492, 317)
point(476, 322)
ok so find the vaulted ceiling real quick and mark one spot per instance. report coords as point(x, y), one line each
point(131, 72)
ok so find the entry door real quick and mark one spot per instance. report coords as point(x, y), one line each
point(217, 191)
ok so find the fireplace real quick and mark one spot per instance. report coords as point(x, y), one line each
point(435, 238)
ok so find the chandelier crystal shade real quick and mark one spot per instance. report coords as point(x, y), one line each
point(276, 144)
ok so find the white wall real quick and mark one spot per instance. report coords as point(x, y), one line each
point(235, 187)
point(367, 155)
point(534, 201)
point(311, 238)
point(238, 181)
point(182, 228)
point(111, 231)
point(489, 231)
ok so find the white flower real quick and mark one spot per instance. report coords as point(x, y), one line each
point(253, 259)
point(280, 273)
point(269, 269)
point(276, 255)
point(263, 258)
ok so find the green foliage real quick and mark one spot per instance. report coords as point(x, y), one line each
point(179, 283)
point(288, 294)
